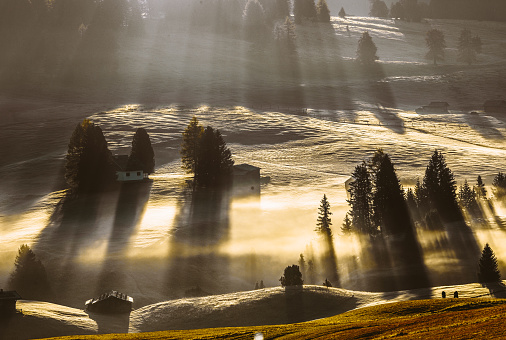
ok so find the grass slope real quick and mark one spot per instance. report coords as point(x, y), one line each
point(427, 319)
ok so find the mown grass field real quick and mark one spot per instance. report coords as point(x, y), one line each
point(423, 319)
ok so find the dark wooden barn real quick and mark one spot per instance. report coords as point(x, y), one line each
point(8, 301)
point(110, 303)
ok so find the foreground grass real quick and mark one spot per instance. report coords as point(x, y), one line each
point(423, 319)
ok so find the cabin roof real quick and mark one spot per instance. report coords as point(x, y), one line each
point(120, 162)
point(111, 295)
point(439, 104)
point(246, 167)
point(9, 295)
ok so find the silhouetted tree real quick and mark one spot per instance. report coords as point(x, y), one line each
point(311, 271)
point(347, 227)
point(291, 277)
point(190, 145)
point(366, 51)
point(304, 10)
point(324, 222)
point(360, 200)
point(342, 13)
point(481, 192)
point(397, 11)
point(322, 11)
point(262, 286)
point(390, 212)
point(88, 164)
point(214, 161)
point(29, 277)
point(257, 286)
point(436, 44)
point(467, 196)
point(439, 186)
point(411, 9)
point(327, 283)
point(468, 47)
point(378, 9)
point(499, 184)
point(285, 34)
point(488, 270)
point(302, 264)
point(142, 155)
point(254, 21)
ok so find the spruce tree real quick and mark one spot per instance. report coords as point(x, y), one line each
point(347, 227)
point(481, 192)
point(191, 144)
point(88, 166)
point(467, 196)
point(324, 222)
point(468, 47)
point(29, 277)
point(360, 200)
point(378, 9)
point(142, 155)
point(436, 44)
point(488, 270)
point(291, 276)
point(366, 51)
point(285, 34)
point(499, 184)
point(304, 10)
point(322, 11)
point(342, 13)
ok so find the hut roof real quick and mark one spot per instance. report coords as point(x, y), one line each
point(9, 295)
point(246, 167)
point(112, 294)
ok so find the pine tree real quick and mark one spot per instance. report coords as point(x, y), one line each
point(327, 283)
point(88, 164)
point(142, 155)
point(214, 160)
point(488, 270)
point(439, 186)
point(499, 184)
point(262, 286)
point(29, 277)
point(324, 222)
point(291, 276)
point(467, 196)
point(481, 192)
point(322, 11)
point(468, 47)
point(397, 11)
point(366, 51)
point(191, 144)
point(342, 13)
point(347, 227)
point(360, 200)
point(436, 44)
point(302, 264)
point(285, 34)
point(378, 9)
point(304, 10)
point(390, 213)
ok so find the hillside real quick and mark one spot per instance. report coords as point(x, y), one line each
point(270, 306)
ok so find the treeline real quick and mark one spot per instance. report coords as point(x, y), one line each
point(414, 10)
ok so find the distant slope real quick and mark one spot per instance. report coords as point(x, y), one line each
point(254, 308)
point(425, 319)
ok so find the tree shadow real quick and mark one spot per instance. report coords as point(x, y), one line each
point(201, 227)
point(496, 289)
point(483, 126)
point(294, 304)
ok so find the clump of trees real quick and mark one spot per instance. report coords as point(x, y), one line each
point(488, 270)
point(378, 9)
point(468, 47)
point(366, 51)
point(499, 186)
point(142, 155)
point(304, 10)
point(29, 277)
point(206, 155)
point(322, 11)
point(291, 276)
point(285, 34)
point(436, 44)
point(88, 166)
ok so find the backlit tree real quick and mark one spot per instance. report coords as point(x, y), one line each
point(191, 144)
point(142, 155)
point(291, 276)
point(436, 44)
point(322, 11)
point(366, 51)
point(488, 269)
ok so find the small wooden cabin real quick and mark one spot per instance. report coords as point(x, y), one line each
point(495, 106)
point(434, 107)
point(124, 175)
point(110, 303)
point(8, 301)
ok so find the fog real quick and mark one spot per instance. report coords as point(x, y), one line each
point(306, 117)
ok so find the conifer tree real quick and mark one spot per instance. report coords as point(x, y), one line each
point(468, 47)
point(499, 184)
point(254, 20)
point(29, 277)
point(291, 276)
point(481, 192)
point(191, 144)
point(285, 34)
point(467, 196)
point(347, 227)
point(436, 44)
point(378, 9)
point(488, 270)
point(366, 51)
point(322, 11)
point(342, 13)
point(88, 164)
point(304, 10)
point(324, 222)
point(142, 155)
point(360, 200)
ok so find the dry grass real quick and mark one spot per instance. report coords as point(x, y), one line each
point(423, 319)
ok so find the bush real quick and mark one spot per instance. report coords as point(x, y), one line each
point(292, 276)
